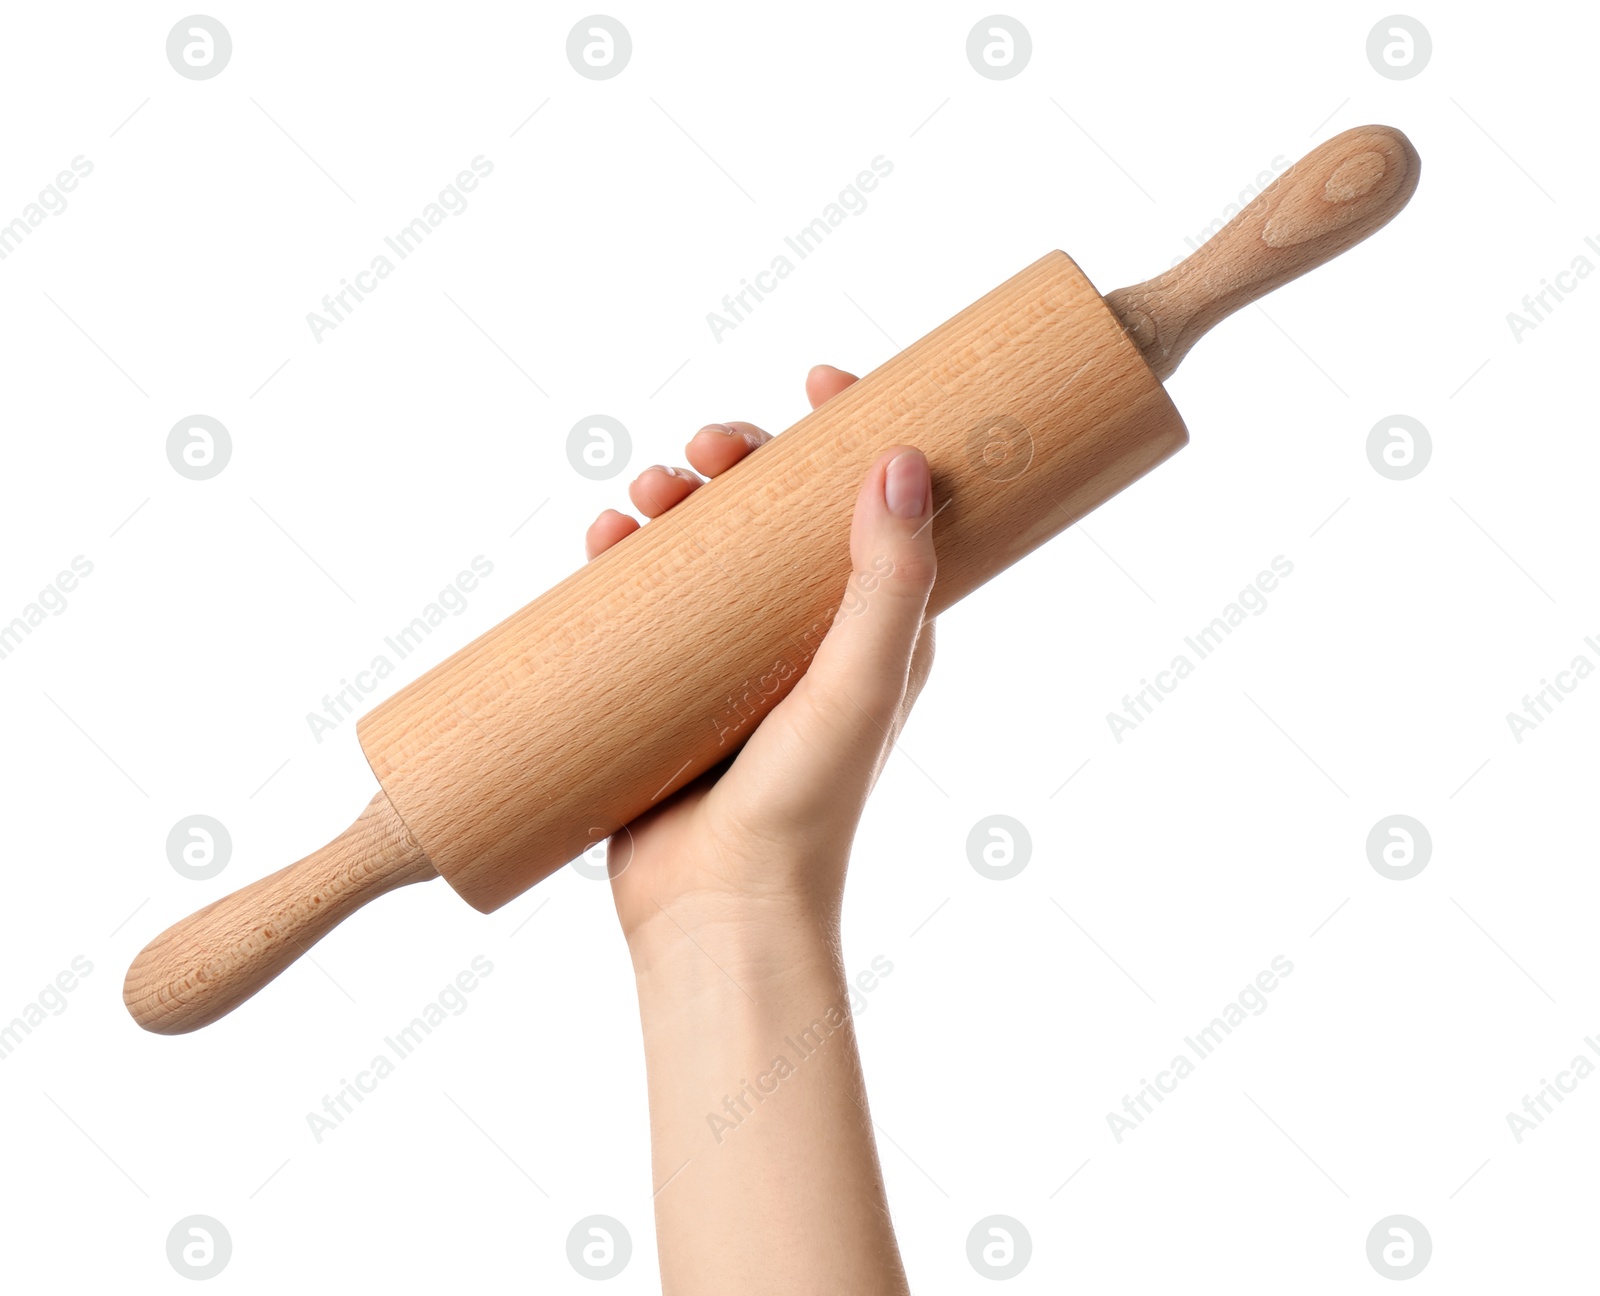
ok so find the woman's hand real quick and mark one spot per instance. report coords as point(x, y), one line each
point(766, 1173)
point(769, 835)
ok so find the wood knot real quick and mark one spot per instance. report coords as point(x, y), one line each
point(1355, 177)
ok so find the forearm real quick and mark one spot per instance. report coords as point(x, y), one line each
point(765, 1167)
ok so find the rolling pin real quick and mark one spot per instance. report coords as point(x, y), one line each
point(1034, 405)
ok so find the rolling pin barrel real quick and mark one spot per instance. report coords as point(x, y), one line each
point(1032, 407)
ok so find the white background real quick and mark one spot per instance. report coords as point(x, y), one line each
point(1169, 871)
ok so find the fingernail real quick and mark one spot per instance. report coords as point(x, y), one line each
point(661, 468)
point(905, 484)
point(751, 439)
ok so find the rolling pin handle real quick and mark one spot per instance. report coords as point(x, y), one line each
point(208, 964)
point(1336, 195)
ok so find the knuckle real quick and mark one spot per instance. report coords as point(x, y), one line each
point(915, 569)
point(899, 576)
point(859, 695)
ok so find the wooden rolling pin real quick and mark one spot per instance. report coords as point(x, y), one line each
point(1034, 405)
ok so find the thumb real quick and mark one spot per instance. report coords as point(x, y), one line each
point(859, 675)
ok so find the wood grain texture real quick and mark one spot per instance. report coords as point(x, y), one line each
point(211, 962)
point(1331, 199)
point(509, 759)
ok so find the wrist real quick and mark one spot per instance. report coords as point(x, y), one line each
point(720, 942)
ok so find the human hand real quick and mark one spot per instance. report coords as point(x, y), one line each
point(762, 843)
